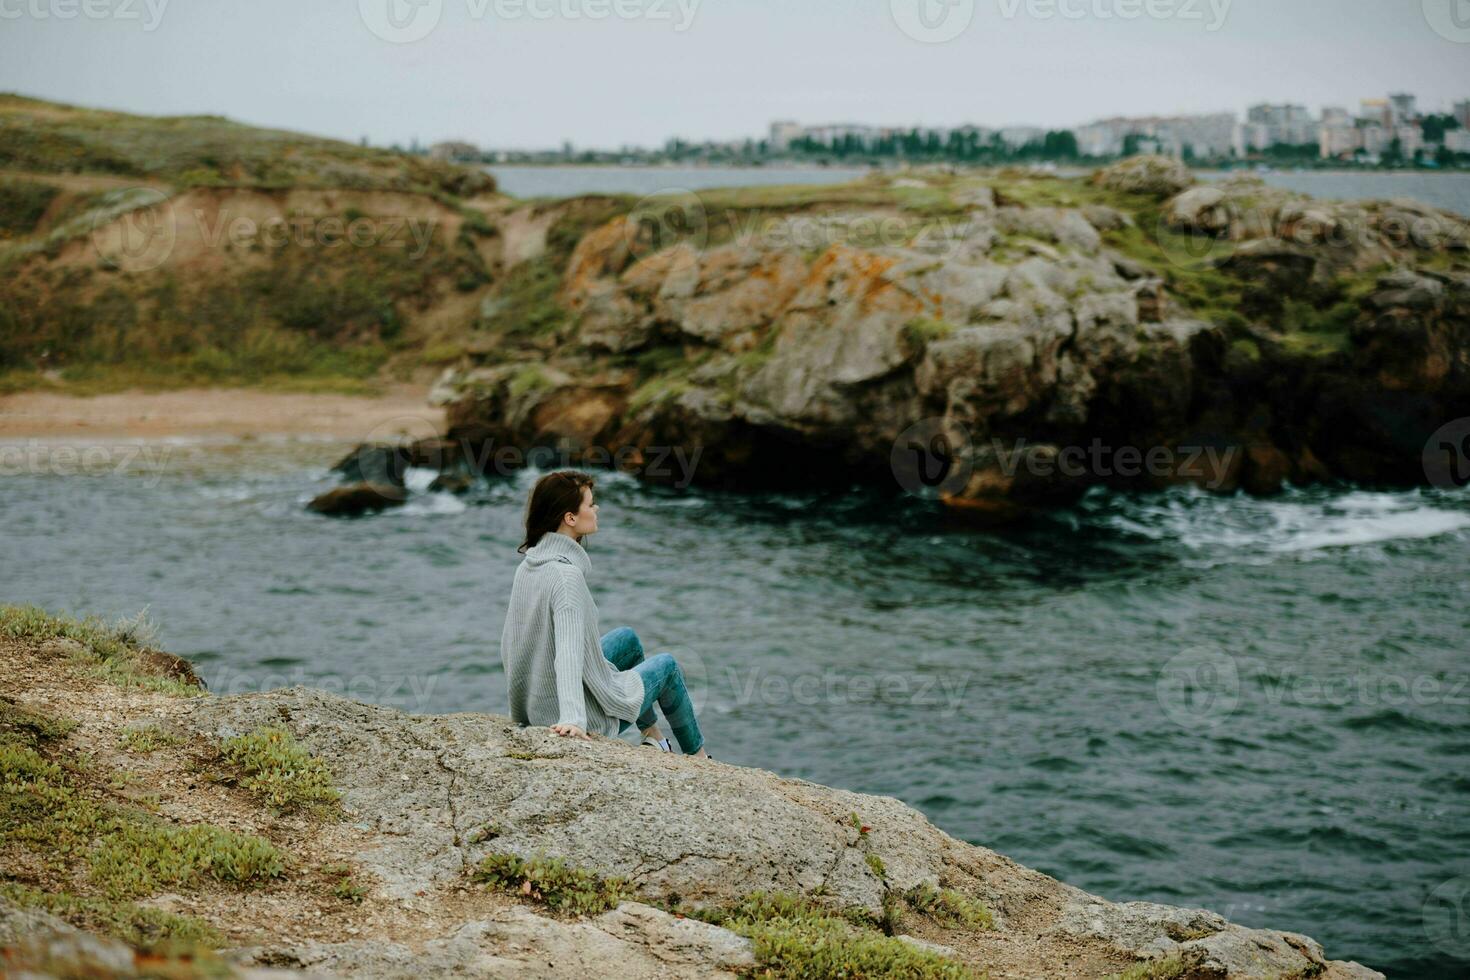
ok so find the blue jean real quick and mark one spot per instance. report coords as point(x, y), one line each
point(663, 683)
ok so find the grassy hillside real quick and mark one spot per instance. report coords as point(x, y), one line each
point(187, 151)
point(195, 250)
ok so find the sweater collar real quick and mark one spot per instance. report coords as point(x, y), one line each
point(555, 546)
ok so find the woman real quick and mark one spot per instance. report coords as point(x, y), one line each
point(560, 672)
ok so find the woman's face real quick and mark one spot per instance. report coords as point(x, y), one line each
point(584, 521)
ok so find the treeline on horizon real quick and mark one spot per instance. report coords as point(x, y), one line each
point(967, 146)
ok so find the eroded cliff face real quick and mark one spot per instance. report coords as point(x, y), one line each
point(1038, 335)
point(378, 877)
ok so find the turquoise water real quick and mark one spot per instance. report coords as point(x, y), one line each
point(1256, 706)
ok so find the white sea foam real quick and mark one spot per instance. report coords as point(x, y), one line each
point(1252, 529)
point(417, 478)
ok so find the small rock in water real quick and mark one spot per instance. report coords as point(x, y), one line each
point(358, 498)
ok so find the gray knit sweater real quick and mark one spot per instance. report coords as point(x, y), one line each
point(552, 649)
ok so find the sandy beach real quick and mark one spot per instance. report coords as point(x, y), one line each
point(221, 413)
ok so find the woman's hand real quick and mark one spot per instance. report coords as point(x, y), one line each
point(571, 731)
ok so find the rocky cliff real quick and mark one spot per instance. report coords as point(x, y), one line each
point(1030, 336)
point(151, 828)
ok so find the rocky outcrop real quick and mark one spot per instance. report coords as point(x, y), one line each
point(1154, 176)
point(632, 940)
point(419, 801)
point(1234, 337)
point(681, 830)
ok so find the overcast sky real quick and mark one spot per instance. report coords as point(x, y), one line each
point(527, 73)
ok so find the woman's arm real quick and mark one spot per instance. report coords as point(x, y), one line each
point(568, 617)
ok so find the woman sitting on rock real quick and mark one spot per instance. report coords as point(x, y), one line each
point(559, 672)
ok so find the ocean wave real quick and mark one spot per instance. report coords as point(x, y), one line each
point(1240, 528)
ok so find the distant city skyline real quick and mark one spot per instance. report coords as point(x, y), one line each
point(713, 69)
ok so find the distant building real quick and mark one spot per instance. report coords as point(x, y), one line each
point(784, 132)
point(830, 135)
point(1203, 136)
point(1457, 141)
point(1268, 125)
point(1016, 137)
point(1375, 138)
point(1462, 114)
point(1377, 110)
point(1337, 141)
point(1404, 108)
point(1411, 139)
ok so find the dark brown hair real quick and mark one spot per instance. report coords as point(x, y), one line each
point(554, 496)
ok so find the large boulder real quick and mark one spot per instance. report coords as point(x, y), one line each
point(1155, 176)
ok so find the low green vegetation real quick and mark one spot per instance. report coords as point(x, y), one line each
point(656, 391)
point(22, 204)
point(132, 857)
point(553, 883)
point(344, 885)
point(1246, 348)
point(301, 315)
point(209, 151)
point(949, 906)
point(110, 651)
point(151, 930)
point(1189, 275)
point(798, 938)
point(287, 308)
point(23, 726)
point(920, 332)
point(143, 741)
point(525, 303)
point(1035, 191)
point(279, 771)
point(528, 379)
point(1166, 969)
point(48, 808)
